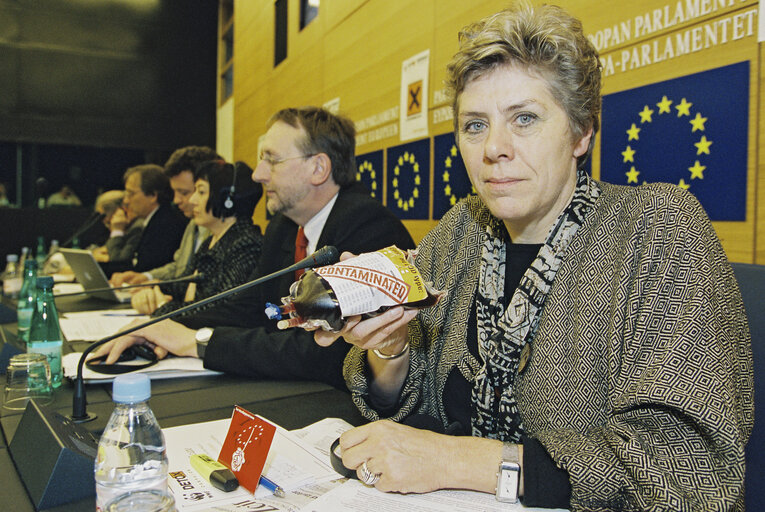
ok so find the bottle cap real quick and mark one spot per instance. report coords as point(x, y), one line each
point(12, 257)
point(131, 388)
point(273, 312)
point(44, 282)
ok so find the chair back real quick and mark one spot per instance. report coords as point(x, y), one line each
point(751, 281)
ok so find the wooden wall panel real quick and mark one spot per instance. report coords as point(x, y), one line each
point(353, 51)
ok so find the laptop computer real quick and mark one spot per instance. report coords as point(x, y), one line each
point(91, 276)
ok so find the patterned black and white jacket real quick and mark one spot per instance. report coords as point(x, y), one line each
point(229, 263)
point(640, 380)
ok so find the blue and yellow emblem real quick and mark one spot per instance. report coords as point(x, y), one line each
point(691, 131)
point(408, 176)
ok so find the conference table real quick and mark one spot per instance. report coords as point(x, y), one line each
point(178, 401)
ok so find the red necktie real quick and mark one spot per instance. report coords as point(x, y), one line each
point(301, 244)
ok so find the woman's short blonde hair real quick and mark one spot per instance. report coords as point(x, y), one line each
point(545, 39)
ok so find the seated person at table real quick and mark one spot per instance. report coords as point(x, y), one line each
point(179, 168)
point(308, 170)
point(125, 231)
point(223, 202)
point(593, 334)
point(147, 196)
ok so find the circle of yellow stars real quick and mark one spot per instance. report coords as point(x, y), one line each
point(448, 190)
point(406, 203)
point(366, 166)
point(697, 125)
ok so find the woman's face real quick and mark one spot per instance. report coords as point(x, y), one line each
point(517, 146)
point(198, 200)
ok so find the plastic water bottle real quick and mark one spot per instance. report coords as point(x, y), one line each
point(131, 453)
point(27, 299)
point(44, 329)
point(12, 276)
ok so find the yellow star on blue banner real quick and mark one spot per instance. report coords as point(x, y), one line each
point(369, 171)
point(684, 131)
point(450, 179)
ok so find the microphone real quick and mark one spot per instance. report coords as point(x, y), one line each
point(194, 278)
point(89, 222)
point(324, 256)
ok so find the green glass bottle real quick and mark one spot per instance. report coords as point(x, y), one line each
point(27, 299)
point(41, 253)
point(44, 331)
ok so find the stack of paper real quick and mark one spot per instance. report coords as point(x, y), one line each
point(95, 325)
point(297, 466)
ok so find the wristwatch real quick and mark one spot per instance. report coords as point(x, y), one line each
point(508, 475)
point(203, 336)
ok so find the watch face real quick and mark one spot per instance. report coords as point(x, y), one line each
point(507, 483)
point(204, 334)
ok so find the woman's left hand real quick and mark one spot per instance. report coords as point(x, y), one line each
point(148, 300)
point(407, 459)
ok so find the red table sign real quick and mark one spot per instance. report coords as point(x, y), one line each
point(246, 447)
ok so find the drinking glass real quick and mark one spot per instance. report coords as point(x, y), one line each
point(27, 378)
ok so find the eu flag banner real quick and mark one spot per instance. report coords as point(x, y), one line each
point(369, 171)
point(450, 179)
point(691, 131)
point(408, 176)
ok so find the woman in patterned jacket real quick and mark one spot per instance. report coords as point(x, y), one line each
point(593, 339)
point(224, 199)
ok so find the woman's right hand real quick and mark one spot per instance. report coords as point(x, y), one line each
point(386, 332)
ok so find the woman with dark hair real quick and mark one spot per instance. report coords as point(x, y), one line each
point(224, 199)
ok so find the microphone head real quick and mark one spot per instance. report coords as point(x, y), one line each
point(198, 278)
point(327, 255)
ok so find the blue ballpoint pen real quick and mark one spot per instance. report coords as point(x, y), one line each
point(271, 486)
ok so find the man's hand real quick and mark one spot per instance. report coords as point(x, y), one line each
point(101, 254)
point(129, 277)
point(163, 337)
point(119, 220)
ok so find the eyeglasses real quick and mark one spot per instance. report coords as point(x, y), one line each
point(273, 162)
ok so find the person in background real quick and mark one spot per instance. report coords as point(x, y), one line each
point(123, 236)
point(180, 169)
point(223, 202)
point(147, 196)
point(64, 197)
point(107, 203)
point(4, 202)
point(308, 171)
point(593, 345)
point(125, 230)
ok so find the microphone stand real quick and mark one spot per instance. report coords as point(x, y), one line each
point(325, 256)
point(83, 228)
point(194, 278)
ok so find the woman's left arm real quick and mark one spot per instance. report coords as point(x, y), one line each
point(411, 460)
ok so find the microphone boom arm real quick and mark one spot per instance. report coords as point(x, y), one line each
point(325, 256)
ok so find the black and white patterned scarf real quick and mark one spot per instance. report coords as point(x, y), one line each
point(503, 333)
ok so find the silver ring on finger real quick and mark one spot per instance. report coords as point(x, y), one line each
point(367, 476)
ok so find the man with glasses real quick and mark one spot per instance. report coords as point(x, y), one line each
point(147, 196)
point(308, 172)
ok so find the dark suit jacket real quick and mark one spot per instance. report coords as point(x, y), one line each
point(249, 344)
point(159, 241)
